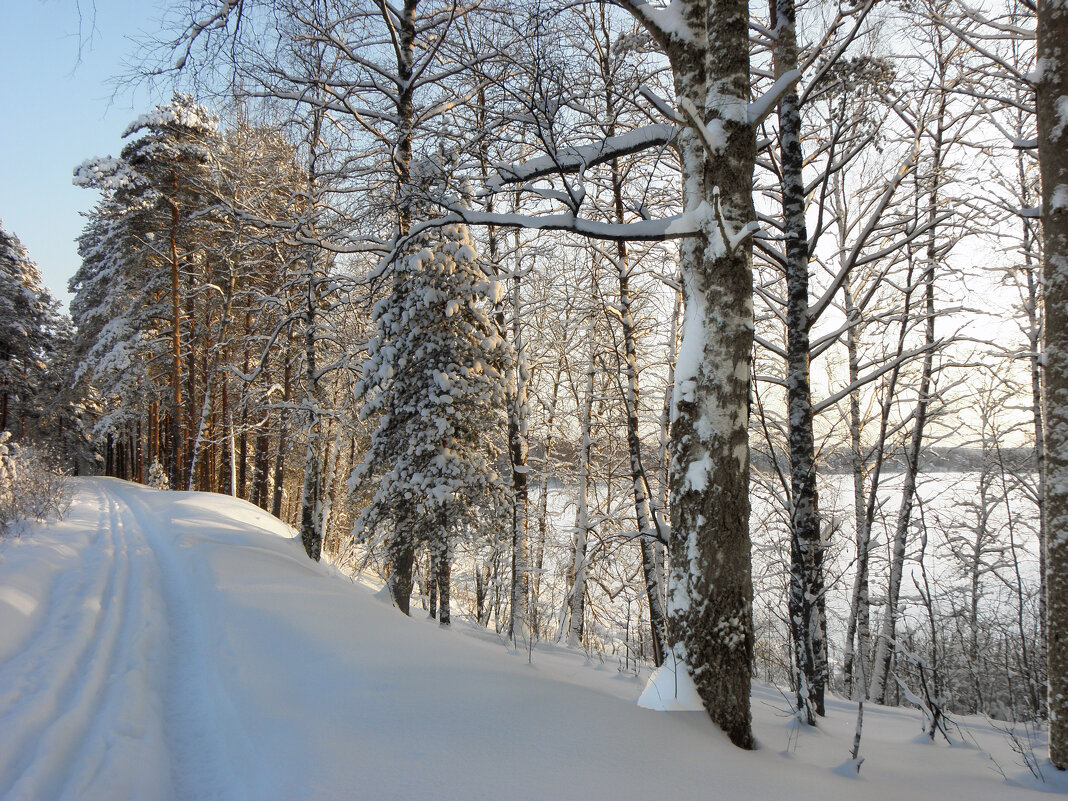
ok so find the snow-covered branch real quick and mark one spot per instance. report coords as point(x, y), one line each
point(765, 104)
point(674, 227)
point(573, 159)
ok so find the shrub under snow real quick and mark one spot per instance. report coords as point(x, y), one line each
point(32, 487)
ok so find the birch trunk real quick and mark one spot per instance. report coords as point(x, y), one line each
point(577, 604)
point(543, 501)
point(858, 626)
point(400, 549)
point(1052, 107)
point(648, 526)
point(311, 531)
point(806, 597)
point(517, 376)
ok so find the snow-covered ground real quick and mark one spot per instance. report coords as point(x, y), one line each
point(180, 646)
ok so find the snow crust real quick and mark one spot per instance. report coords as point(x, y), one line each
point(172, 645)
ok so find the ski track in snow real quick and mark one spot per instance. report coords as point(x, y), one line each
point(198, 714)
point(82, 665)
point(99, 659)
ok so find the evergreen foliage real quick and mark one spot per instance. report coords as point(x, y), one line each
point(28, 318)
point(433, 380)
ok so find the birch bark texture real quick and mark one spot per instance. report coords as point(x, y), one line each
point(806, 597)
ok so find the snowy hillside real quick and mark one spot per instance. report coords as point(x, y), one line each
point(180, 645)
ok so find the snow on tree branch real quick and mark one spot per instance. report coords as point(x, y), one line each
point(674, 227)
point(574, 159)
point(765, 104)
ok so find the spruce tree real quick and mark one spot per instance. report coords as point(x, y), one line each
point(433, 380)
point(27, 320)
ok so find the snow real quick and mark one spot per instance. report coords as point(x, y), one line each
point(1060, 113)
point(182, 112)
point(575, 159)
point(673, 227)
point(171, 645)
point(671, 689)
point(668, 20)
point(766, 103)
point(1059, 197)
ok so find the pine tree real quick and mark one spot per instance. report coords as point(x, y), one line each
point(145, 224)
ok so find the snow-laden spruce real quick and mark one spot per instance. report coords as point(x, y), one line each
point(434, 383)
point(27, 317)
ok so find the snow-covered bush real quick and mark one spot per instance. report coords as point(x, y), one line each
point(32, 487)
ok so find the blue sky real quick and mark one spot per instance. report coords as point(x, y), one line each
point(57, 111)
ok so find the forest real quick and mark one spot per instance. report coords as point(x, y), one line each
point(730, 336)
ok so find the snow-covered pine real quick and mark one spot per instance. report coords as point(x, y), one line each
point(27, 318)
point(151, 189)
point(117, 309)
point(433, 381)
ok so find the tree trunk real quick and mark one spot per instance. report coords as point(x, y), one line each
point(311, 534)
point(283, 432)
point(886, 646)
point(710, 590)
point(543, 503)
point(517, 378)
point(1051, 89)
point(806, 597)
point(177, 438)
point(400, 548)
point(260, 464)
point(577, 606)
point(859, 622)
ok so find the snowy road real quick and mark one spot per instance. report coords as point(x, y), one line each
point(180, 646)
point(115, 695)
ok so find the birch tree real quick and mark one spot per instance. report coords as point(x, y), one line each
point(1051, 104)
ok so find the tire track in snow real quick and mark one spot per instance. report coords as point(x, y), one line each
point(126, 726)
